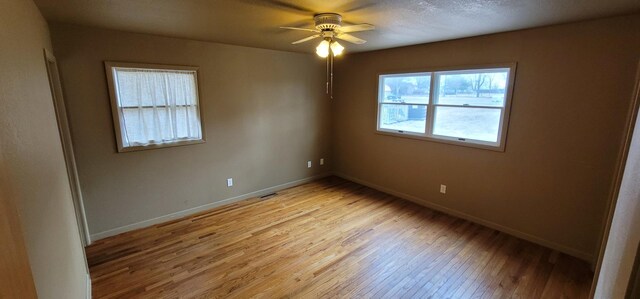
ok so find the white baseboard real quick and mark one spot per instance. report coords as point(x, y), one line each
point(88, 286)
point(191, 211)
point(514, 232)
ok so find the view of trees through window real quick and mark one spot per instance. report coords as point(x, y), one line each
point(481, 89)
point(467, 104)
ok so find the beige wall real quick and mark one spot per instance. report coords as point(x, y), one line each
point(264, 112)
point(572, 93)
point(32, 168)
point(265, 116)
point(624, 233)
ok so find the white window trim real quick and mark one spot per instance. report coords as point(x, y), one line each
point(428, 135)
point(115, 109)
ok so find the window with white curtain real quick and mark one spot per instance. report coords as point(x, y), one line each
point(154, 105)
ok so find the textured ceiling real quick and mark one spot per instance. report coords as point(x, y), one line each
point(255, 23)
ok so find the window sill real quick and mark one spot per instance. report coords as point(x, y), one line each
point(471, 144)
point(157, 146)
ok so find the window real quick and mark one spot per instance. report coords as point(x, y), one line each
point(469, 106)
point(154, 105)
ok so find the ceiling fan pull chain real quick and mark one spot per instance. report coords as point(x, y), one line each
point(331, 84)
point(327, 81)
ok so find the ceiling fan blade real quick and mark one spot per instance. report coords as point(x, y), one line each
point(301, 29)
point(350, 38)
point(351, 7)
point(357, 27)
point(306, 39)
point(282, 5)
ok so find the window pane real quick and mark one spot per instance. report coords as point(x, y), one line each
point(408, 118)
point(187, 122)
point(480, 88)
point(144, 87)
point(157, 125)
point(409, 88)
point(472, 123)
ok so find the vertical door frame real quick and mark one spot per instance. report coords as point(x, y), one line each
point(632, 117)
point(67, 145)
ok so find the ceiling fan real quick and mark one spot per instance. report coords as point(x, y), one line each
point(329, 28)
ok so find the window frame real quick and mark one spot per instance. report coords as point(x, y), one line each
point(381, 91)
point(431, 106)
point(117, 117)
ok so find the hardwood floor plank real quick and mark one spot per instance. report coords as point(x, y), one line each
point(330, 239)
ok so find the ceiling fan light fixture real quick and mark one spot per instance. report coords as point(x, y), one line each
point(323, 49)
point(336, 48)
point(329, 28)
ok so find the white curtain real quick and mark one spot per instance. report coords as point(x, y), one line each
point(157, 106)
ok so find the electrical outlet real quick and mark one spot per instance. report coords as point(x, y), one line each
point(229, 182)
point(443, 189)
point(308, 164)
point(321, 161)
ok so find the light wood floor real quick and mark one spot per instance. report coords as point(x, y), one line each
point(329, 238)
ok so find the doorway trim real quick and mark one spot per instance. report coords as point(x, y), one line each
point(67, 145)
point(632, 117)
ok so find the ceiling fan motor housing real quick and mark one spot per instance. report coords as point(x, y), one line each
point(328, 21)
